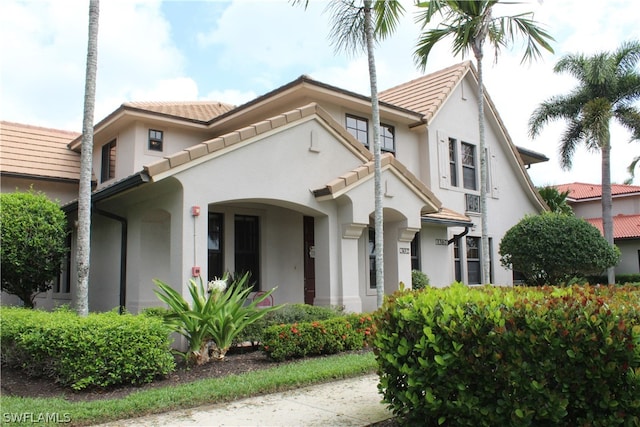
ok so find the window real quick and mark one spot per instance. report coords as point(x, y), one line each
point(215, 245)
point(473, 260)
point(472, 203)
point(467, 260)
point(468, 166)
point(456, 260)
point(372, 258)
point(415, 252)
point(155, 140)
point(359, 128)
point(387, 138)
point(108, 170)
point(63, 281)
point(453, 162)
point(247, 248)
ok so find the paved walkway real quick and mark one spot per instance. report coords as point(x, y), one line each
point(352, 402)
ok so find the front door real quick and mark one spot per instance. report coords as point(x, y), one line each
point(309, 260)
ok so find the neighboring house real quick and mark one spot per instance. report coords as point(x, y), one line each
point(38, 158)
point(282, 186)
point(586, 201)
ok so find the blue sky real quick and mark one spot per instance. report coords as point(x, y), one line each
point(236, 50)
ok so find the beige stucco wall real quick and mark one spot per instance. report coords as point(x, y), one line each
point(60, 192)
point(629, 257)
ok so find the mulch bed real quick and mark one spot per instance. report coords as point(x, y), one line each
point(15, 383)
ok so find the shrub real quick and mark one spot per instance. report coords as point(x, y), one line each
point(290, 313)
point(552, 248)
point(33, 234)
point(511, 356)
point(419, 280)
point(217, 316)
point(96, 351)
point(289, 341)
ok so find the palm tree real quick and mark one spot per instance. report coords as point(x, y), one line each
point(471, 24)
point(84, 196)
point(355, 27)
point(556, 200)
point(608, 85)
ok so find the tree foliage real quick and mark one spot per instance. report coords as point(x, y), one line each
point(552, 248)
point(33, 230)
point(556, 200)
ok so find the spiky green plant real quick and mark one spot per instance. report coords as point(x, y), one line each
point(216, 317)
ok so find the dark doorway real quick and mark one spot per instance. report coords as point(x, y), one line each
point(247, 248)
point(309, 260)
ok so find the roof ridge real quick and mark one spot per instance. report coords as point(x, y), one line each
point(28, 126)
point(461, 65)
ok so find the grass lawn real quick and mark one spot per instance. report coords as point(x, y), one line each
point(215, 390)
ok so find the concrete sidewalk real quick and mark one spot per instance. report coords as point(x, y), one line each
point(351, 402)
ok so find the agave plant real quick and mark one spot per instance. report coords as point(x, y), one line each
point(217, 316)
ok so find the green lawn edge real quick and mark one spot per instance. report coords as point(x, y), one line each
point(204, 392)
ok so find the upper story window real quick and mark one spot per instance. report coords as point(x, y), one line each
point(469, 166)
point(387, 138)
point(108, 165)
point(155, 140)
point(453, 162)
point(359, 128)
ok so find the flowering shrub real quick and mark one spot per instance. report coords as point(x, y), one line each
point(289, 341)
point(217, 316)
point(511, 356)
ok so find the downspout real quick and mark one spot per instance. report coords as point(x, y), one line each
point(457, 237)
point(123, 255)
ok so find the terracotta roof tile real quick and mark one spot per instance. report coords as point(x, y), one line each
point(37, 152)
point(578, 190)
point(446, 214)
point(427, 93)
point(202, 111)
point(624, 226)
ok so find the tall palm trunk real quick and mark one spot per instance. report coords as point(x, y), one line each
point(378, 212)
point(86, 156)
point(478, 42)
point(607, 203)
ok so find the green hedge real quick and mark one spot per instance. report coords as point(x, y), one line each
point(290, 313)
point(511, 356)
point(96, 351)
point(289, 341)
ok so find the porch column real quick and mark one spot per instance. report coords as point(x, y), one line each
point(327, 261)
point(397, 255)
point(350, 266)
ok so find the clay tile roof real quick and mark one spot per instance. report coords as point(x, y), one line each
point(579, 190)
point(202, 111)
point(624, 226)
point(37, 152)
point(445, 214)
point(427, 93)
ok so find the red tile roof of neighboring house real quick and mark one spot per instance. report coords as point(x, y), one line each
point(579, 191)
point(624, 226)
point(37, 152)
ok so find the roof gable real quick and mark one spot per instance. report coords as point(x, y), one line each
point(199, 152)
point(38, 152)
point(428, 93)
point(202, 111)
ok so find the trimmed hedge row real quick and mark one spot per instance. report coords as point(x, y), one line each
point(290, 313)
point(344, 333)
point(96, 351)
point(511, 356)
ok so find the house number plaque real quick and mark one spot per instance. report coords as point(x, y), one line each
point(405, 251)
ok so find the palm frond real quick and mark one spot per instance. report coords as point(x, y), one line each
point(627, 57)
point(387, 15)
point(569, 141)
point(347, 26)
point(629, 117)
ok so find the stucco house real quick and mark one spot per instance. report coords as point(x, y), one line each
point(586, 202)
point(282, 186)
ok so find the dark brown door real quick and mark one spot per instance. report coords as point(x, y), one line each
point(309, 260)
